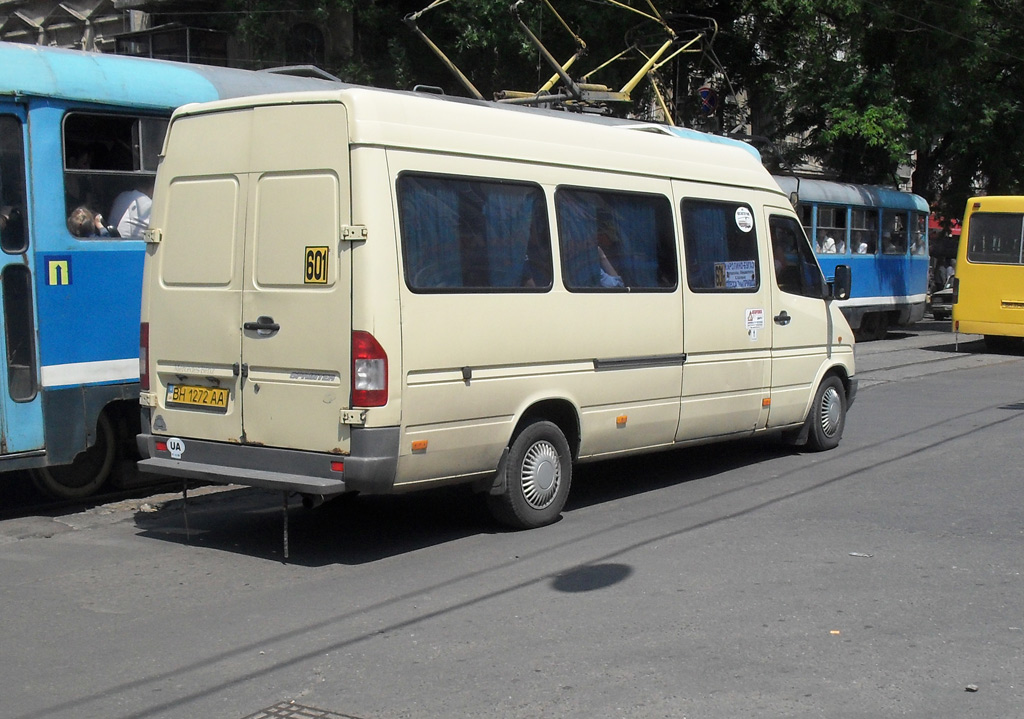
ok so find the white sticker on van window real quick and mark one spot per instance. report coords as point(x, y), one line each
point(176, 447)
point(744, 219)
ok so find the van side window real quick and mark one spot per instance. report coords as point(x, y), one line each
point(110, 163)
point(13, 226)
point(721, 247)
point(796, 270)
point(471, 235)
point(615, 240)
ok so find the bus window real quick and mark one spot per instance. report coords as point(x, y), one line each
point(995, 238)
point(612, 240)
point(109, 162)
point(469, 235)
point(894, 232)
point(13, 228)
point(721, 247)
point(863, 231)
point(831, 237)
point(796, 271)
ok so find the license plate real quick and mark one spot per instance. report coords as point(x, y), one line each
point(215, 398)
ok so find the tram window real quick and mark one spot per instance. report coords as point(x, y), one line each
point(806, 213)
point(831, 237)
point(894, 232)
point(615, 240)
point(13, 227)
point(20, 333)
point(796, 271)
point(863, 231)
point(106, 155)
point(721, 247)
point(919, 242)
point(472, 235)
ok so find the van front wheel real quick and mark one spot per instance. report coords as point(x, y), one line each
point(828, 415)
point(537, 474)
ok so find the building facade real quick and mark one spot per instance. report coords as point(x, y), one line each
point(201, 31)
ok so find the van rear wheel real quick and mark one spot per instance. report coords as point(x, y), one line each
point(537, 474)
point(828, 415)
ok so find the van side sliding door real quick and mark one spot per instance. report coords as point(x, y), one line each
point(726, 300)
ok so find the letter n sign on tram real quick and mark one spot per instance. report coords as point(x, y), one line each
point(58, 270)
point(316, 265)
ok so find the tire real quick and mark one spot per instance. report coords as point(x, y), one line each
point(828, 415)
point(87, 473)
point(882, 328)
point(999, 344)
point(537, 473)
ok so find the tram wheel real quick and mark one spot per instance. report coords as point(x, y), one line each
point(87, 473)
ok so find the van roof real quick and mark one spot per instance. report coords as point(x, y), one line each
point(139, 82)
point(419, 121)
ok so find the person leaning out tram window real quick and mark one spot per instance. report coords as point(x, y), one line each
point(83, 222)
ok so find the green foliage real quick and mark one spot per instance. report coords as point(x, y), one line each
point(857, 87)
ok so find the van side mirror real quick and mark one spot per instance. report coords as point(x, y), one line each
point(840, 284)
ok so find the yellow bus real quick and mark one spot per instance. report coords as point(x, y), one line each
point(988, 289)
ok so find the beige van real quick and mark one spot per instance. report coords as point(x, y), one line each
point(371, 291)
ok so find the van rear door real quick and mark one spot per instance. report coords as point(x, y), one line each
point(254, 279)
point(296, 300)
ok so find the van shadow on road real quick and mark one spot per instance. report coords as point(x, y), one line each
point(361, 529)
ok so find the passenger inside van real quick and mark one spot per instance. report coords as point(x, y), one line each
point(609, 275)
point(607, 244)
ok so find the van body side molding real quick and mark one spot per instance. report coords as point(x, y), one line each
point(618, 363)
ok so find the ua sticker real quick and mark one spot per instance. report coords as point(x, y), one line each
point(316, 265)
point(176, 446)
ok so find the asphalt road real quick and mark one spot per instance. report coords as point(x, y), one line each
point(737, 580)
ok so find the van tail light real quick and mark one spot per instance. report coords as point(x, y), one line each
point(369, 371)
point(144, 356)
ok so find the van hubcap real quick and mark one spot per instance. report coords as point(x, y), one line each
point(831, 410)
point(541, 475)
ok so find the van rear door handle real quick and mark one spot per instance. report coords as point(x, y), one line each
point(782, 318)
point(263, 325)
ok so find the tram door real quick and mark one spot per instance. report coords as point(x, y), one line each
point(21, 426)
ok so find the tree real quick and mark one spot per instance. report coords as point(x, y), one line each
point(860, 88)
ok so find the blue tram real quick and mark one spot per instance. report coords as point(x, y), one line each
point(882, 234)
point(80, 137)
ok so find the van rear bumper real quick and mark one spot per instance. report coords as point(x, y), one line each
point(370, 468)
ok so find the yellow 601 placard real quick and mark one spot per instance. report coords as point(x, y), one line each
point(316, 265)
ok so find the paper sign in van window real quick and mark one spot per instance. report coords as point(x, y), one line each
point(316, 265)
point(738, 275)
